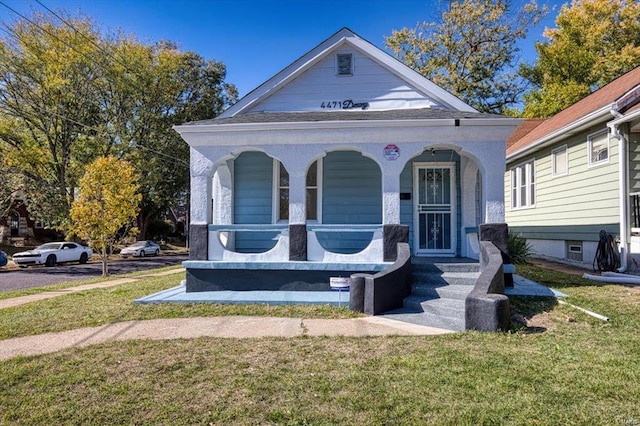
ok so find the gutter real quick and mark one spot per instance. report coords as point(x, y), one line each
point(624, 192)
point(576, 126)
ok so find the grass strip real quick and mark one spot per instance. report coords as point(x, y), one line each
point(108, 305)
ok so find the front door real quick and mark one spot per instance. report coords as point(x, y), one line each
point(434, 209)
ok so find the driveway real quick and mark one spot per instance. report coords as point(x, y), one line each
point(40, 276)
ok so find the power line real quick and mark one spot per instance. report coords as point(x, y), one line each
point(17, 37)
point(95, 129)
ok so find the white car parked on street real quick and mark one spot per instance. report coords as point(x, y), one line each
point(50, 254)
point(141, 248)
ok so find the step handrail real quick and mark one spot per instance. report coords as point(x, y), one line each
point(486, 307)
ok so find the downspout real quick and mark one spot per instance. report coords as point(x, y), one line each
point(624, 193)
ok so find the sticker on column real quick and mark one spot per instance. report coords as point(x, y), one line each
point(391, 152)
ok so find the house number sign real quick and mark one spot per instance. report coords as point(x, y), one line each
point(346, 104)
point(391, 152)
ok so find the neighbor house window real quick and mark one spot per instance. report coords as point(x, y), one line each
point(559, 161)
point(598, 146)
point(523, 186)
point(281, 196)
point(344, 64)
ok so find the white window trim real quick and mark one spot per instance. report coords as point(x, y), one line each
point(520, 206)
point(318, 192)
point(554, 172)
point(589, 150)
point(275, 204)
point(275, 193)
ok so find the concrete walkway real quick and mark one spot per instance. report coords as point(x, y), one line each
point(239, 327)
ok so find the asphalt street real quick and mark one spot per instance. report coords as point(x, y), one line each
point(40, 276)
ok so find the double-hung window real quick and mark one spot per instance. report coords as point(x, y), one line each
point(281, 195)
point(523, 186)
point(598, 146)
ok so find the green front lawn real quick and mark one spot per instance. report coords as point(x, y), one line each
point(558, 366)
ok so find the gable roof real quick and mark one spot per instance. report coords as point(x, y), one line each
point(597, 106)
point(326, 48)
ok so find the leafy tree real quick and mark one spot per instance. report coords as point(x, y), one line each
point(46, 104)
point(472, 51)
point(594, 42)
point(70, 94)
point(160, 87)
point(107, 203)
point(10, 183)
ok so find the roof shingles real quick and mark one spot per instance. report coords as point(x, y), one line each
point(602, 97)
point(313, 116)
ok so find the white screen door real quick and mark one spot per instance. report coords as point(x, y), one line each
point(434, 213)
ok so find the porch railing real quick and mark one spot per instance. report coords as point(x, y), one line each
point(374, 252)
point(219, 249)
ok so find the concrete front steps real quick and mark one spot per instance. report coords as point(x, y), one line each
point(438, 293)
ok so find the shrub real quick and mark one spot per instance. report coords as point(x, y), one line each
point(519, 248)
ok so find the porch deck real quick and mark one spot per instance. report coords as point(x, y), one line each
point(178, 294)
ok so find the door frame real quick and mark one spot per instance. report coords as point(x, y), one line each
point(454, 216)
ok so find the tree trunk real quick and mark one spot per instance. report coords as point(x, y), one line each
point(143, 224)
point(104, 254)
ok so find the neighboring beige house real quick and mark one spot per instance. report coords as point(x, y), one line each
point(577, 173)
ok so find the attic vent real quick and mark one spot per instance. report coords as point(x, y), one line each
point(344, 63)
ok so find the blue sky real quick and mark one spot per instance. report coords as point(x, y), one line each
point(255, 38)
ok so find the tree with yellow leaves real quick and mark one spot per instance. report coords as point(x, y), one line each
point(471, 50)
point(106, 205)
point(593, 43)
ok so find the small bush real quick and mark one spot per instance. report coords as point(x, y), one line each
point(519, 248)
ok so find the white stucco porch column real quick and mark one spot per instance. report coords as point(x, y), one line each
point(222, 194)
point(391, 198)
point(201, 188)
point(494, 194)
point(201, 193)
point(297, 198)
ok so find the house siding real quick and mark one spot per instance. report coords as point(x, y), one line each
point(253, 181)
point(593, 204)
point(369, 83)
point(351, 194)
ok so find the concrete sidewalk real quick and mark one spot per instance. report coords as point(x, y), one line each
point(240, 327)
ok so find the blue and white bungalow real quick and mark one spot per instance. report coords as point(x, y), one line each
point(323, 169)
